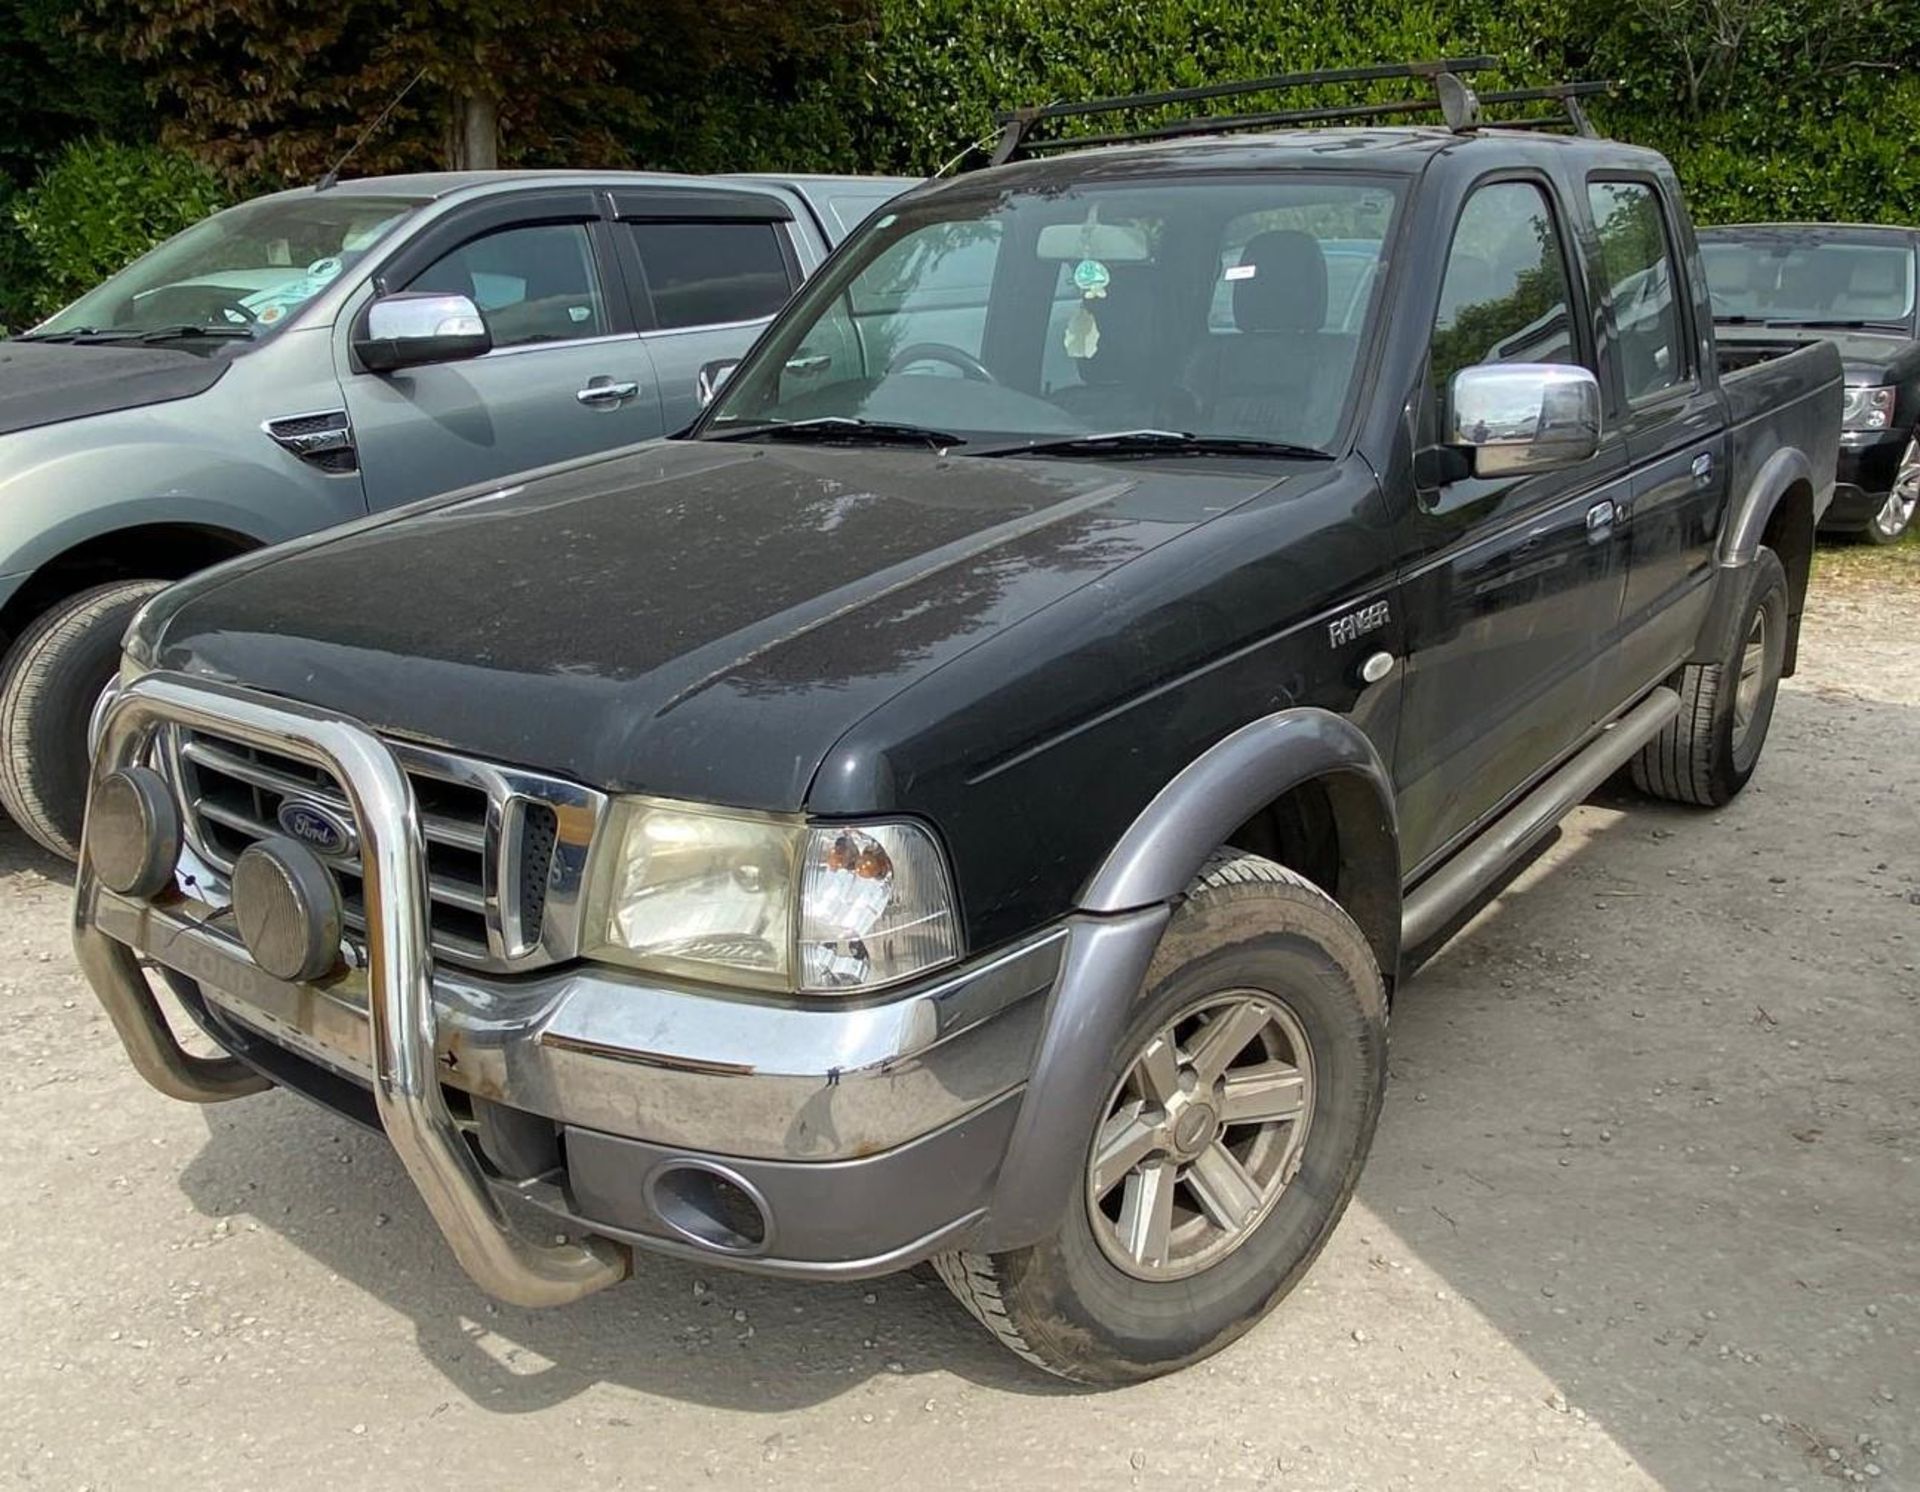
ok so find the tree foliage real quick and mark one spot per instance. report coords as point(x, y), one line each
point(100, 207)
point(1769, 108)
point(272, 91)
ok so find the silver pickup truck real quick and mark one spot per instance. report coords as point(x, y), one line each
point(311, 356)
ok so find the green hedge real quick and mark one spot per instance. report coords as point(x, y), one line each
point(96, 209)
point(1812, 115)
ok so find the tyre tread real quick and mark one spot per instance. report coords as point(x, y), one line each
point(976, 1279)
point(30, 668)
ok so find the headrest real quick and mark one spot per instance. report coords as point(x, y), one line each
point(1878, 274)
point(1287, 290)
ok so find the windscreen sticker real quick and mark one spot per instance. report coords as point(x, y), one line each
point(1242, 271)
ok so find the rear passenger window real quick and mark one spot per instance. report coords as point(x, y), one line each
point(1649, 339)
point(534, 284)
point(704, 274)
point(1505, 297)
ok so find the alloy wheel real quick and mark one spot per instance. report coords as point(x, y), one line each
point(1753, 677)
point(1201, 1136)
point(1897, 512)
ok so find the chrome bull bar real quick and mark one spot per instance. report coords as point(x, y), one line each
point(399, 980)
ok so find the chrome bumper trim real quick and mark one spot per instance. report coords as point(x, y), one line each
point(400, 1003)
point(607, 1050)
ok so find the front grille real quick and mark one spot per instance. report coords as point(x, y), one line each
point(484, 912)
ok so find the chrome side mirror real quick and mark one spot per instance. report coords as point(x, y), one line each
point(407, 330)
point(713, 377)
point(1518, 418)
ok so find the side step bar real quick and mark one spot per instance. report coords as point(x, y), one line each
point(1451, 888)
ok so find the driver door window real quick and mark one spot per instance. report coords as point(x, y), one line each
point(533, 284)
point(1504, 298)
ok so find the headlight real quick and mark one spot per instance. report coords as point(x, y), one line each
point(769, 902)
point(1867, 409)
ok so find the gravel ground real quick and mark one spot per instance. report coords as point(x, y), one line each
point(1644, 1211)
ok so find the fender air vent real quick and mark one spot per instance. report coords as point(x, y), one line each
point(324, 439)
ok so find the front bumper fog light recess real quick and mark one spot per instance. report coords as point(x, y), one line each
point(287, 906)
point(133, 832)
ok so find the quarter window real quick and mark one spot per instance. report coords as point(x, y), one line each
point(1649, 339)
point(704, 274)
point(1504, 298)
point(533, 284)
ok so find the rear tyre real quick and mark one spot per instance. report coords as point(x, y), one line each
point(1710, 749)
point(1243, 1100)
point(51, 680)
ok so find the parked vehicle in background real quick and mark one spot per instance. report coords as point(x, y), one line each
point(311, 356)
point(1854, 285)
point(974, 796)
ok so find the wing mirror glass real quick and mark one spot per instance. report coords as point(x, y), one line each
point(713, 377)
point(408, 330)
point(1518, 418)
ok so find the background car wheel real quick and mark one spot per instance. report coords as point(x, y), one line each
point(1709, 751)
point(1890, 524)
point(49, 683)
point(1242, 1102)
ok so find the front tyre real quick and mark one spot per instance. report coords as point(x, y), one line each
point(1711, 747)
point(51, 680)
point(1242, 1101)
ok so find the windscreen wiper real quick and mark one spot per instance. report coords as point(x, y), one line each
point(1844, 324)
point(838, 429)
point(1131, 443)
point(190, 329)
point(80, 334)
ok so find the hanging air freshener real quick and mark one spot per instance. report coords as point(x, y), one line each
point(1090, 278)
point(1083, 333)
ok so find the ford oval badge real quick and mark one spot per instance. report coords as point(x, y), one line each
point(319, 828)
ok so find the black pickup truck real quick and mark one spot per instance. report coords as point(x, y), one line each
point(975, 796)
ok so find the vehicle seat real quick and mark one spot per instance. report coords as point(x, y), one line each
point(1119, 388)
point(1876, 281)
point(1278, 374)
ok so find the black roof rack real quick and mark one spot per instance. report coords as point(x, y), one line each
point(1452, 97)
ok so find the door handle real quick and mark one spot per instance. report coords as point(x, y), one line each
point(807, 364)
point(1702, 469)
point(595, 394)
point(1600, 516)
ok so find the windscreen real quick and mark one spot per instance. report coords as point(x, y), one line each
point(1804, 277)
point(248, 269)
point(1233, 305)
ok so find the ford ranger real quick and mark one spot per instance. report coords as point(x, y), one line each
point(975, 797)
point(309, 356)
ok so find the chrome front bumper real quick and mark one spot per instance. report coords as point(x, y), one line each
point(824, 1102)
